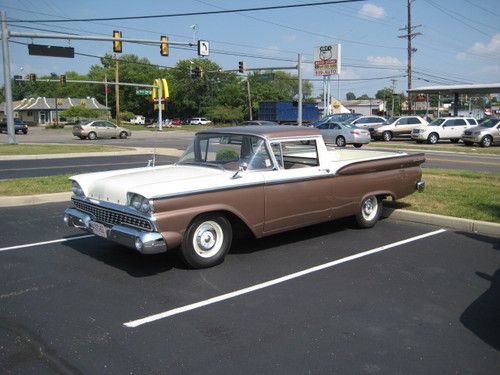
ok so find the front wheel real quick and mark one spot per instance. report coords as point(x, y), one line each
point(123, 135)
point(486, 141)
point(387, 136)
point(369, 212)
point(433, 138)
point(92, 136)
point(340, 141)
point(207, 241)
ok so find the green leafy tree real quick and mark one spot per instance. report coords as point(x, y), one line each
point(83, 112)
point(364, 97)
point(350, 96)
point(222, 113)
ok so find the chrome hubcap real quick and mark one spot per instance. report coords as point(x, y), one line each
point(208, 239)
point(369, 209)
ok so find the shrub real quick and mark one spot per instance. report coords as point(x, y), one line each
point(226, 154)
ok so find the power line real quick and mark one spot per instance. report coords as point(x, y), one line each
point(489, 11)
point(240, 10)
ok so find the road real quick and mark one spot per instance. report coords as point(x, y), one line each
point(420, 301)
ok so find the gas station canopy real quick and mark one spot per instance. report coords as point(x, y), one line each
point(479, 88)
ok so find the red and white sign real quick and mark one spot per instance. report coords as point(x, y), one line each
point(327, 60)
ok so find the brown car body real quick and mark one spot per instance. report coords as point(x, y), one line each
point(266, 207)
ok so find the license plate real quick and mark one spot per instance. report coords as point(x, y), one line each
point(98, 229)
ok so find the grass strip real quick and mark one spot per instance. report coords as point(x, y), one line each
point(439, 147)
point(465, 194)
point(35, 185)
point(43, 149)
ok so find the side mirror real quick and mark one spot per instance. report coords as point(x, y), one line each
point(242, 168)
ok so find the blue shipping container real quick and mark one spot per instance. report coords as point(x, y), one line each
point(287, 111)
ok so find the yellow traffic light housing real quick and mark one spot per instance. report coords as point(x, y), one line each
point(117, 44)
point(32, 77)
point(164, 45)
point(62, 79)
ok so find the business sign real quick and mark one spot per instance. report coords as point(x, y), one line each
point(327, 60)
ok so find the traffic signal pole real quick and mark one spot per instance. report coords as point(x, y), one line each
point(299, 109)
point(6, 77)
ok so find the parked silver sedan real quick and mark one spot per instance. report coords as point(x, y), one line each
point(93, 129)
point(344, 134)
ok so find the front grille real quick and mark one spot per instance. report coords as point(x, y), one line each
point(111, 217)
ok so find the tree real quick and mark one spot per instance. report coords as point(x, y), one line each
point(350, 96)
point(384, 94)
point(222, 113)
point(83, 112)
point(364, 97)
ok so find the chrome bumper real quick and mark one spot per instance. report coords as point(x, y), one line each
point(142, 241)
point(420, 186)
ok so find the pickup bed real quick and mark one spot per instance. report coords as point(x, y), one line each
point(262, 179)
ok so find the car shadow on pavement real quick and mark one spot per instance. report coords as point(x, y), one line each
point(133, 263)
point(482, 316)
point(248, 244)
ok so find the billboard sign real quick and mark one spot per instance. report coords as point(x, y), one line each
point(327, 60)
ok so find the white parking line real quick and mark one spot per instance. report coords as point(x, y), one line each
point(45, 242)
point(253, 288)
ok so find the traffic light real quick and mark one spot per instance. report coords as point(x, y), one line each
point(164, 45)
point(241, 67)
point(117, 44)
point(192, 72)
point(32, 77)
point(198, 72)
point(62, 79)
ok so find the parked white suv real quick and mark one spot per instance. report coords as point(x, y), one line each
point(451, 128)
point(398, 126)
point(199, 121)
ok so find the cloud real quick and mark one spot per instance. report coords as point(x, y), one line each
point(372, 11)
point(385, 61)
point(290, 38)
point(490, 48)
point(461, 56)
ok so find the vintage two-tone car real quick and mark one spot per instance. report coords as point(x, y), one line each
point(266, 179)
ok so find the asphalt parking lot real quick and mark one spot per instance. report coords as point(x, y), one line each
point(421, 300)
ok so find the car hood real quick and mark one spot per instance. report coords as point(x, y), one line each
point(477, 129)
point(157, 182)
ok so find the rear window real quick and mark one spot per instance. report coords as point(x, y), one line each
point(296, 154)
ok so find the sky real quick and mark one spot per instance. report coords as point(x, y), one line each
point(460, 41)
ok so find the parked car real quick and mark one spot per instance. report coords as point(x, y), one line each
point(19, 126)
point(369, 122)
point(138, 120)
point(398, 126)
point(486, 134)
point(344, 134)
point(93, 129)
point(176, 122)
point(345, 118)
point(265, 179)
point(199, 121)
point(451, 128)
point(259, 123)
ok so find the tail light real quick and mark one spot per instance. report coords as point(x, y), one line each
point(355, 132)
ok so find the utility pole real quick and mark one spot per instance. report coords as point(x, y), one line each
point(117, 90)
point(299, 109)
point(106, 94)
point(6, 79)
point(410, 34)
point(393, 91)
point(249, 100)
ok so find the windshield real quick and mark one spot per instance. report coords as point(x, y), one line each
point(392, 119)
point(437, 122)
point(227, 152)
point(489, 123)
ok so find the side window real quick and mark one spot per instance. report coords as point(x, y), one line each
point(413, 120)
point(324, 126)
point(402, 121)
point(460, 122)
point(98, 124)
point(295, 154)
point(336, 127)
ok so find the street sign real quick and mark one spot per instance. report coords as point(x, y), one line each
point(327, 60)
point(143, 92)
point(266, 77)
point(56, 51)
point(203, 47)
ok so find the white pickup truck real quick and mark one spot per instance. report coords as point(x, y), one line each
point(265, 179)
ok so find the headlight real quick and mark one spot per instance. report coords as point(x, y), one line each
point(139, 203)
point(76, 188)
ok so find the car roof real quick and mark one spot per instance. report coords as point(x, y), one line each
point(278, 131)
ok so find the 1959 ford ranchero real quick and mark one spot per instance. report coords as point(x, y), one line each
point(267, 179)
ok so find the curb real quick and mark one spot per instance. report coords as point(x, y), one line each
point(465, 225)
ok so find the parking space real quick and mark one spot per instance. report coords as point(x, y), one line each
point(428, 302)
